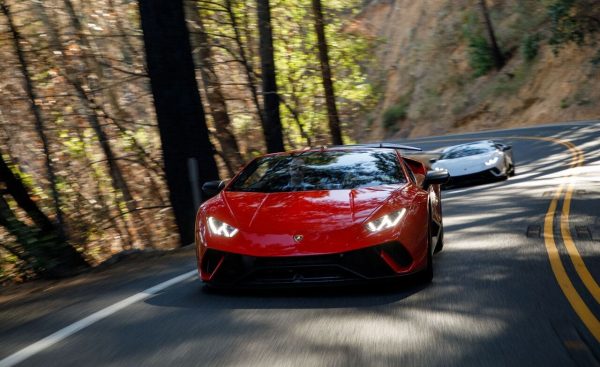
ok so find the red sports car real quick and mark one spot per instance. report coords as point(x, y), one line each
point(329, 215)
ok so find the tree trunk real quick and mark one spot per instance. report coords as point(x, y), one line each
point(214, 95)
point(496, 53)
point(71, 76)
point(272, 121)
point(39, 121)
point(47, 254)
point(127, 49)
point(16, 188)
point(332, 113)
point(246, 62)
point(42, 247)
point(179, 110)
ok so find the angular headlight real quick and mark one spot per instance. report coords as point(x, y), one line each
point(491, 161)
point(219, 228)
point(385, 222)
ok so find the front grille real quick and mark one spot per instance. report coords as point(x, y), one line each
point(360, 264)
point(210, 261)
point(474, 178)
point(398, 253)
point(301, 274)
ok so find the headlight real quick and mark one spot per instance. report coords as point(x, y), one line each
point(491, 161)
point(385, 222)
point(219, 228)
point(438, 168)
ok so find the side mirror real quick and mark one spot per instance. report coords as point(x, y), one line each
point(436, 177)
point(506, 147)
point(212, 188)
point(432, 160)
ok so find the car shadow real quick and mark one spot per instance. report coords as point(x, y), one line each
point(202, 297)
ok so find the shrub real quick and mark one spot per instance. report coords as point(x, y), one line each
point(480, 55)
point(530, 46)
point(394, 114)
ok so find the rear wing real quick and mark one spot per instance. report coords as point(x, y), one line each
point(385, 146)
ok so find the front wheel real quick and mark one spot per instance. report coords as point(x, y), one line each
point(439, 245)
point(511, 171)
point(426, 276)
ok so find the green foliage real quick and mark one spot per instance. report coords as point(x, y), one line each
point(299, 71)
point(480, 55)
point(573, 21)
point(32, 244)
point(27, 179)
point(10, 266)
point(395, 113)
point(73, 145)
point(530, 46)
point(565, 28)
point(479, 50)
point(303, 109)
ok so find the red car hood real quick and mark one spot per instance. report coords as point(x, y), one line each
point(326, 220)
point(313, 210)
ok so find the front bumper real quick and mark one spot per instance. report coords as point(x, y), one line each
point(489, 175)
point(385, 261)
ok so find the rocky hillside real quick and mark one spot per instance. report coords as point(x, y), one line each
point(427, 68)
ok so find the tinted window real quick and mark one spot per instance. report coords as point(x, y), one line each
point(465, 151)
point(330, 170)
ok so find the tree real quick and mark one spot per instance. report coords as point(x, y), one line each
point(573, 21)
point(37, 114)
point(272, 121)
point(179, 111)
point(496, 54)
point(41, 245)
point(332, 113)
point(212, 88)
point(76, 78)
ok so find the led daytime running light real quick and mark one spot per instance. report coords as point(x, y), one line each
point(491, 161)
point(387, 221)
point(221, 228)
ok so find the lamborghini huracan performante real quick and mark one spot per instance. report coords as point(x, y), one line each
point(476, 162)
point(329, 215)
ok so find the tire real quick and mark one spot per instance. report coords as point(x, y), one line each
point(439, 245)
point(506, 174)
point(426, 276)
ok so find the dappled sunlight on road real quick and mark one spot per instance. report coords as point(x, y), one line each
point(494, 299)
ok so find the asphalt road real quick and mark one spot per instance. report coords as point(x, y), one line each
point(499, 296)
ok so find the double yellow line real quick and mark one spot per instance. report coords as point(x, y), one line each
point(566, 285)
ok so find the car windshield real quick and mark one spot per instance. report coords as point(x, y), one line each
point(466, 150)
point(320, 170)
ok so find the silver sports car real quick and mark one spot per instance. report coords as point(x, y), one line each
point(476, 162)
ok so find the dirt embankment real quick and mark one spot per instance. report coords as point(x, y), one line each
point(428, 84)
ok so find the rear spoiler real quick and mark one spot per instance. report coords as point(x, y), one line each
point(378, 145)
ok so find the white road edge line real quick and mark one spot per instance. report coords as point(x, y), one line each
point(65, 332)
